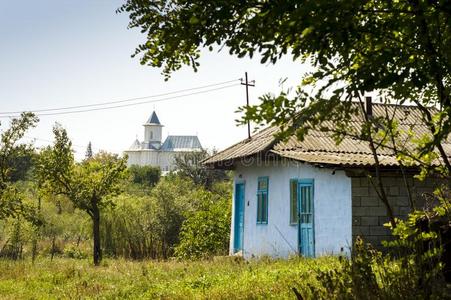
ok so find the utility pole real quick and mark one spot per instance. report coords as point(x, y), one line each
point(247, 84)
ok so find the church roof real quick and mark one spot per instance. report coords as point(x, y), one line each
point(153, 119)
point(181, 143)
point(136, 145)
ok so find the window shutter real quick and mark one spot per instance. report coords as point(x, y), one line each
point(293, 201)
point(262, 200)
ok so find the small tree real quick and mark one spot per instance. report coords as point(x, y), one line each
point(89, 185)
point(10, 199)
point(189, 165)
point(88, 154)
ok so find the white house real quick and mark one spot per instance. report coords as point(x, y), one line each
point(313, 197)
point(151, 151)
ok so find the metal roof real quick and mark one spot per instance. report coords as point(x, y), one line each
point(153, 119)
point(319, 147)
point(181, 143)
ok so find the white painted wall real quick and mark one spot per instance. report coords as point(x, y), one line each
point(332, 210)
point(152, 133)
point(145, 157)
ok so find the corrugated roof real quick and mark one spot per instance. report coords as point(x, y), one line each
point(320, 147)
point(181, 142)
point(153, 119)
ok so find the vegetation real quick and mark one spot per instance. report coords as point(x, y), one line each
point(189, 165)
point(11, 200)
point(89, 185)
point(51, 205)
point(222, 278)
point(142, 214)
point(397, 50)
point(205, 232)
point(145, 175)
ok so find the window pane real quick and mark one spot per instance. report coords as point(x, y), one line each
point(263, 184)
point(264, 208)
point(303, 206)
point(308, 196)
point(259, 207)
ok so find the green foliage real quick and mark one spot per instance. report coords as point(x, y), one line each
point(370, 275)
point(398, 49)
point(146, 175)
point(148, 225)
point(89, 154)
point(189, 165)
point(206, 232)
point(89, 185)
point(11, 152)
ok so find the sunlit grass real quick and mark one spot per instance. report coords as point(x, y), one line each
point(224, 278)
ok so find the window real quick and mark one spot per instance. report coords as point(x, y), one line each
point(262, 200)
point(293, 202)
point(151, 135)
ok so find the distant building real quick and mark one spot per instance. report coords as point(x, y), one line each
point(153, 152)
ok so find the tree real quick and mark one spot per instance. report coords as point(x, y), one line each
point(399, 49)
point(89, 184)
point(10, 151)
point(146, 175)
point(189, 165)
point(88, 154)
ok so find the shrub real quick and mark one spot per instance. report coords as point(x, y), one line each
point(146, 175)
point(72, 251)
point(206, 232)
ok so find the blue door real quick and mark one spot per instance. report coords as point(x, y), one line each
point(305, 231)
point(239, 218)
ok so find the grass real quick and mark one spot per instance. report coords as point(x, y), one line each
point(222, 278)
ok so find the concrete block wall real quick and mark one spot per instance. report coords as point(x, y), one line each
point(369, 213)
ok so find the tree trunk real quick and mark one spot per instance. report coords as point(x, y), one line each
point(97, 253)
point(53, 247)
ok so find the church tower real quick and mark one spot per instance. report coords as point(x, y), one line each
point(152, 132)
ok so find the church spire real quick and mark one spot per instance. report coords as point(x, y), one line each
point(153, 119)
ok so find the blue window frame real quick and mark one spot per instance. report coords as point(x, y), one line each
point(262, 200)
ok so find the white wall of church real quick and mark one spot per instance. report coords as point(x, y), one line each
point(332, 210)
point(152, 133)
point(163, 159)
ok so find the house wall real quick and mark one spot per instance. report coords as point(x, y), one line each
point(369, 213)
point(332, 210)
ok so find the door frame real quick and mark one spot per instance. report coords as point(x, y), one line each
point(235, 220)
point(311, 183)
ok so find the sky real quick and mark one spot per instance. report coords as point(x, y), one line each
point(63, 53)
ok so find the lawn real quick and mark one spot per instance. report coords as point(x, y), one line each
point(222, 278)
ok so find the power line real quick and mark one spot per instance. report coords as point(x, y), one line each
point(123, 100)
point(129, 104)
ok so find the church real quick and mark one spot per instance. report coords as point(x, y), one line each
point(153, 152)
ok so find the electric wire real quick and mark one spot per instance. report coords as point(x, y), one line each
point(126, 105)
point(123, 100)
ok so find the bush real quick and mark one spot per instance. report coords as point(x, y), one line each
point(206, 232)
point(146, 175)
point(72, 251)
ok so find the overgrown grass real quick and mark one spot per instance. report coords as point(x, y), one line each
point(221, 278)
